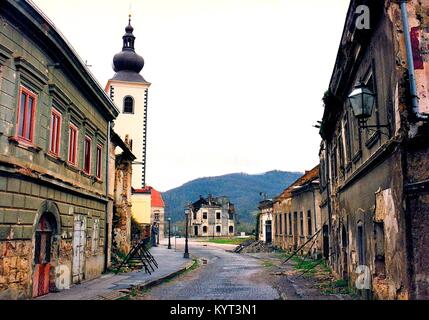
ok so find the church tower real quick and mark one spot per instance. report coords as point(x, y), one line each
point(129, 90)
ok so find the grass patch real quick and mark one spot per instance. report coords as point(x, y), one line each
point(268, 264)
point(236, 241)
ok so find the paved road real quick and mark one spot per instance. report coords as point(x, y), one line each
point(226, 276)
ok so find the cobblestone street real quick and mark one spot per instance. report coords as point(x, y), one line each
point(223, 275)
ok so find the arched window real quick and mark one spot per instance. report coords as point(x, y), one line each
point(128, 104)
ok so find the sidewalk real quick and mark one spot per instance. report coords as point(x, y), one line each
point(109, 286)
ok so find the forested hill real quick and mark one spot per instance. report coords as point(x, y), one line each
point(242, 189)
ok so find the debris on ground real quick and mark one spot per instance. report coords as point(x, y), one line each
point(251, 246)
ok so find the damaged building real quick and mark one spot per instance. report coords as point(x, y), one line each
point(297, 216)
point(57, 161)
point(374, 156)
point(213, 217)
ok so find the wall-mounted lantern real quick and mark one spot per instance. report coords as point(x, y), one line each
point(362, 101)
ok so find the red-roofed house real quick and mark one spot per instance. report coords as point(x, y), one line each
point(148, 207)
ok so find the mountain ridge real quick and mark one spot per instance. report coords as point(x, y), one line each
point(241, 188)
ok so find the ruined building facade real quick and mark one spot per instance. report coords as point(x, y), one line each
point(212, 217)
point(297, 216)
point(374, 182)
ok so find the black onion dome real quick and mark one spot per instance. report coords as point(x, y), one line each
point(128, 60)
point(127, 64)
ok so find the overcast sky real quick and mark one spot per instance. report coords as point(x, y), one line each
point(236, 84)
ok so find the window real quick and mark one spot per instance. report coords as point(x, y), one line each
point(309, 226)
point(280, 223)
point(231, 229)
point(231, 216)
point(128, 104)
point(205, 215)
point(301, 223)
point(73, 133)
point(55, 135)
point(360, 243)
point(195, 215)
point(204, 229)
point(218, 229)
point(87, 155)
point(217, 215)
point(290, 223)
point(99, 162)
point(26, 114)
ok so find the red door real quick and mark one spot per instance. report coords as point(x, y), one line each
point(42, 257)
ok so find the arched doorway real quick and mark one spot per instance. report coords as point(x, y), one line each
point(46, 228)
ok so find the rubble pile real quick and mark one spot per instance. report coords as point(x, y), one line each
point(252, 246)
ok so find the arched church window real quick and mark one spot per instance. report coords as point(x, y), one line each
point(128, 104)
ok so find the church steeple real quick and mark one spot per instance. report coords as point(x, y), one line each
point(129, 37)
point(127, 64)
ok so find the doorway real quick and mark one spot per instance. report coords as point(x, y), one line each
point(79, 236)
point(325, 241)
point(268, 231)
point(45, 230)
point(295, 231)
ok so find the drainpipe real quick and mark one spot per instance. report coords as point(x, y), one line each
point(106, 222)
point(410, 62)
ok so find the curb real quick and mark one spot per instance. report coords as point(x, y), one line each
point(162, 279)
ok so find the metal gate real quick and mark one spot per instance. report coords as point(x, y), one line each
point(42, 256)
point(79, 236)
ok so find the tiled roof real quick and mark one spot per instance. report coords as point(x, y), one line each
point(156, 200)
point(156, 197)
point(308, 177)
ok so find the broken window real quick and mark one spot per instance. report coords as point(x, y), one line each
point(218, 229)
point(309, 225)
point(204, 229)
point(231, 229)
point(195, 215)
point(218, 215)
point(205, 215)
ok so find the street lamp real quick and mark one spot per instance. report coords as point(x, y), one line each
point(187, 212)
point(362, 101)
point(169, 233)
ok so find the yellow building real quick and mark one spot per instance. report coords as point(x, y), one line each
point(141, 206)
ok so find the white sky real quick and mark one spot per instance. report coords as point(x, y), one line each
point(236, 84)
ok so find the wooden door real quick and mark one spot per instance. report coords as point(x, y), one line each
point(42, 256)
point(79, 233)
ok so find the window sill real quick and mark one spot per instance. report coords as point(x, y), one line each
point(72, 167)
point(26, 145)
point(55, 158)
point(372, 140)
point(357, 156)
